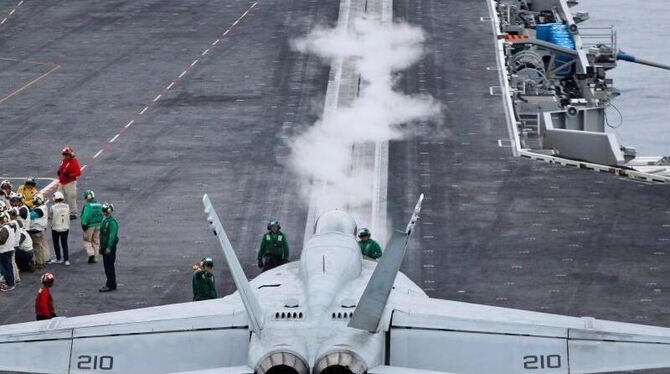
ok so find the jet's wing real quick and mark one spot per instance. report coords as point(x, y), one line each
point(164, 339)
point(467, 338)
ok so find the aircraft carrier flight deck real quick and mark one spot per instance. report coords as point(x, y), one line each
point(204, 97)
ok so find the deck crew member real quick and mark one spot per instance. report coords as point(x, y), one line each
point(39, 216)
point(109, 238)
point(25, 254)
point(44, 303)
point(274, 247)
point(17, 227)
point(21, 215)
point(5, 191)
point(28, 189)
point(6, 252)
point(203, 281)
point(23, 212)
point(68, 172)
point(91, 218)
point(60, 227)
point(369, 247)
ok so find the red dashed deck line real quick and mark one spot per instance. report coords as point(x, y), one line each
point(158, 97)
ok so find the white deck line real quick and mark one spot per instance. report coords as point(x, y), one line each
point(330, 106)
point(379, 191)
point(378, 219)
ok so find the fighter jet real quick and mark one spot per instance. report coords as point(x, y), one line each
point(330, 312)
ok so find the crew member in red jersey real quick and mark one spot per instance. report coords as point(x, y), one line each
point(44, 303)
point(68, 172)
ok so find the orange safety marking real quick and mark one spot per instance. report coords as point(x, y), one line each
point(515, 36)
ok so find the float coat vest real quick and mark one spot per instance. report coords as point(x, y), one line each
point(40, 223)
point(8, 245)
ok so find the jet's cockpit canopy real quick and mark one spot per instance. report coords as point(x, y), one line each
point(335, 221)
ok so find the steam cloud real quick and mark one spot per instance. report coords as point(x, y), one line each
point(379, 113)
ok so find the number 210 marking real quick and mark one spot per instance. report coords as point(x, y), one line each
point(542, 362)
point(86, 362)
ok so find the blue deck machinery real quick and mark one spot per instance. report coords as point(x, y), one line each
point(556, 72)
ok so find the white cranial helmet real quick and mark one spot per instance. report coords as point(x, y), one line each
point(38, 199)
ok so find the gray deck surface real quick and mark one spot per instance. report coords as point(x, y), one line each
point(513, 232)
point(496, 229)
point(220, 130)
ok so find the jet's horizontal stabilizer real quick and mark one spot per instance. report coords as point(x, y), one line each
point(254, 311)
point(160, 339)
point(451, 336)
point(228, 370)
point(370, 309)
point(401, 370)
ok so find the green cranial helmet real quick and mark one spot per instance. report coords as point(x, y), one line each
point(30, 181)
point(365, 232)
point(207, 261)
point(89, 195)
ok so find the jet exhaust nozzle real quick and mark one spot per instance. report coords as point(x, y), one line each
point(340, 362)
point(282, 363)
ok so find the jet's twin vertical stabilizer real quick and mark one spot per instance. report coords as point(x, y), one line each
point(254, 311)
point(368, 313)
